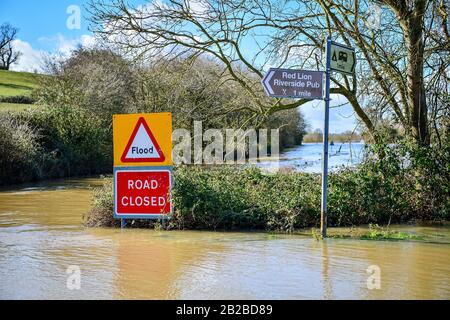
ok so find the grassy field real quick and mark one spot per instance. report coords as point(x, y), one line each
point(17, 83)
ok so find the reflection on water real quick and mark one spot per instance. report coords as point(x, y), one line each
point(308, 157)
point(41, 235)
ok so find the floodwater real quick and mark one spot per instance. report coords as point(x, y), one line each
point(41, 235)
point(308, 157)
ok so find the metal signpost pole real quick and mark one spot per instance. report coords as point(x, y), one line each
point(323, 213)
point(307, 84)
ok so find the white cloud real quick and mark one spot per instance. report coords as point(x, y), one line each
point(62, 45)
point(199, 7)
point(32, 59)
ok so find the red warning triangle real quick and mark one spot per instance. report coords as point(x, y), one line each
point(142, 146)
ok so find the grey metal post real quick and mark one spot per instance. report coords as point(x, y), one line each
point(323, 211)
point(123, 223)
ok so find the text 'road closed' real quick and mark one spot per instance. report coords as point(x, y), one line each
point(142, 192)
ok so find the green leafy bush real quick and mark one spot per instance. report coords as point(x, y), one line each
point(52, 142)
point(84, 144)
point(402, 185)
point(102, 203)
point(17, 99)
point(229, 198)
point(396, 183)
point(19, 149)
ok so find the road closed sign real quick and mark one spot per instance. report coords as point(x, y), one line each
point(142, 166)
point(142, 193)
point(142, 139)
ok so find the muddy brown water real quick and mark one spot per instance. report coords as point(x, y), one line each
point(41, 235)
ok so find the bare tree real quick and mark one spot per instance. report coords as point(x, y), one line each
point(97, 80)
point(8, 55)
point(400, 58)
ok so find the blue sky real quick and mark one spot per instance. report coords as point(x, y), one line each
point(41, 20)
point(43, 29)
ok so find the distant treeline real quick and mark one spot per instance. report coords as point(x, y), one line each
point(347, 136)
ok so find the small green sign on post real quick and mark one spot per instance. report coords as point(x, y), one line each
point(343, 58)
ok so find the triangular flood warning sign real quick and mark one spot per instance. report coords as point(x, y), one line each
point(142, 146)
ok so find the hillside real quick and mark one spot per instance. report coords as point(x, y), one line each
point(17, 83)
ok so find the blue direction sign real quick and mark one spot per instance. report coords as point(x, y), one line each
point(297, 84)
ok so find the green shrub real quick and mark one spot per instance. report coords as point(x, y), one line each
point(229, 198)
point(102, 203)
point(402, 185)
point(17, 99)
point(19, 149)
point(52, 142)
point(406, 182)
point(83, 144)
